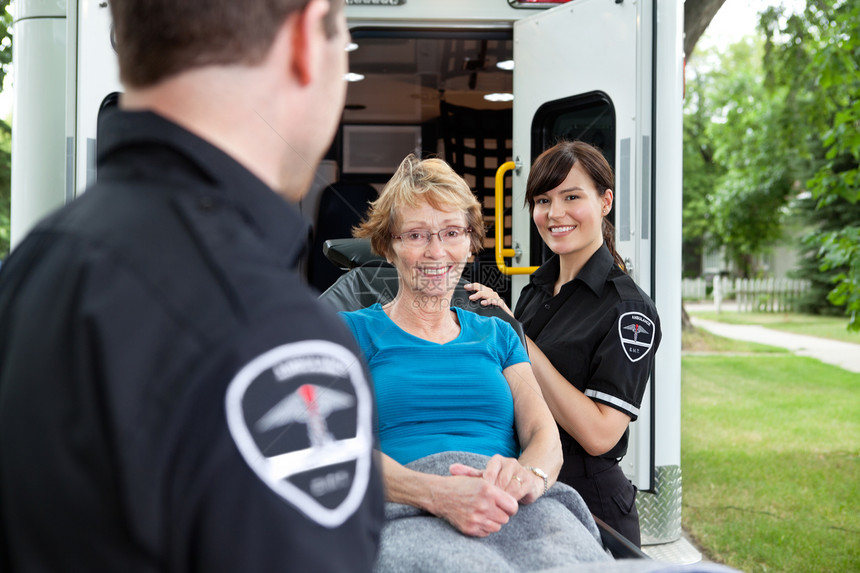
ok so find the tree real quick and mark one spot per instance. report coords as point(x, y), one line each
point(746, 169)
point(701, 171)
point(771, 119)
point(5, 39)
point(5, 130)
point(787, 134)
point(819, 218)
point(835, 62)
point(811, 63)
point(697, 16)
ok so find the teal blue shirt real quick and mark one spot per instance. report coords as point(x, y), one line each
point(441, 397)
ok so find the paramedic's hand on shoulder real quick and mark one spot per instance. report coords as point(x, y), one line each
point(487, 296)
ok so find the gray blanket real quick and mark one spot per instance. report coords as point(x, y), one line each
point(555, 531)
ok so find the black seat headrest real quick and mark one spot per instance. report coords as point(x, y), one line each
point(377, 281)
point(349, 253)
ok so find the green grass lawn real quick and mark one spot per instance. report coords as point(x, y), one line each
point(771, 460)
point(832, 327)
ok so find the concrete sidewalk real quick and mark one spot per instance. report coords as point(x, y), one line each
point(843, 354)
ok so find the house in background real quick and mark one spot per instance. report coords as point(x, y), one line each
point(777, 263)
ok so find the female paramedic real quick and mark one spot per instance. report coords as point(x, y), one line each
point(592, 332)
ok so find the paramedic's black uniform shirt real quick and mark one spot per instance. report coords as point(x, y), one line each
point(597, 336)
point(172, 397)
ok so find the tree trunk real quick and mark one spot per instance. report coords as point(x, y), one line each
point(697, 15)
point(686, 323)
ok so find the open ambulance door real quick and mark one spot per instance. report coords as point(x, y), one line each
point(583, 71)
point(96, 88)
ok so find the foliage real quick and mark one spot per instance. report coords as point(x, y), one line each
point(819, 218)
point(813, 56)
point(5, 39)
point(5, 131)
point(770, 456)
point(836, 64)
point(842, 250)
point(786, 125)
point(748, 201)
point(737, 183)
point(5, 186)
point(701, 171)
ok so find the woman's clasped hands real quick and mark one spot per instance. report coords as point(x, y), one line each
point(480, 502)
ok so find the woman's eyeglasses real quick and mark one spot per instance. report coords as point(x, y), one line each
point(419, 237)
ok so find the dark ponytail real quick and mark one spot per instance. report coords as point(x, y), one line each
point(609, 241)
point(552, 167)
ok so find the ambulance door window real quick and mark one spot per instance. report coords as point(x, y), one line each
point(110, 102)
point(586, 117)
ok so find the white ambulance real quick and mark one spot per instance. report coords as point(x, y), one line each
point(486, 85)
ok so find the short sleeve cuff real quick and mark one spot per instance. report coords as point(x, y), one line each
point(614, 401)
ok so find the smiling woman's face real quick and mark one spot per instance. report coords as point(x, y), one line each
point(432, 269)
point(569, 217)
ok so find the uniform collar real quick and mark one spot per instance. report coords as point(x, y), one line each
point(275, 218)
point(593, 274)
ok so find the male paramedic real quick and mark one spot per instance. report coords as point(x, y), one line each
point(172, 397)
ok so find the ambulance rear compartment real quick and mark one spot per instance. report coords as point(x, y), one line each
point(434, 93)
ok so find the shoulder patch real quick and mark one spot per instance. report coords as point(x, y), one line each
point(636, 332)
point(300, 415)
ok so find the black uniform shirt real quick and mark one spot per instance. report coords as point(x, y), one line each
point(600, 332)
point(172, 397)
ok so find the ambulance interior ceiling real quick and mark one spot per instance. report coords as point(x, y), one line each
point(393, 105)
point(406, 78)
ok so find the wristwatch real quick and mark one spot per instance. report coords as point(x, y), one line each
point(541, 474)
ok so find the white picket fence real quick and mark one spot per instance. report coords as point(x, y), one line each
point(760, 295)
point(694, 289)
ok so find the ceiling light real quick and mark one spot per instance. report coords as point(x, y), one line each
point(351, 47)
point(507, 65)
point(499, 97)
point(353, 77)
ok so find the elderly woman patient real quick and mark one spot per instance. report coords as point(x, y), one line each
point(447, 379)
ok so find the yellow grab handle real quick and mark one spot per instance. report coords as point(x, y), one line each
point(502, 252)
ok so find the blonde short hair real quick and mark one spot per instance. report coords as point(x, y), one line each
point(429, 180)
